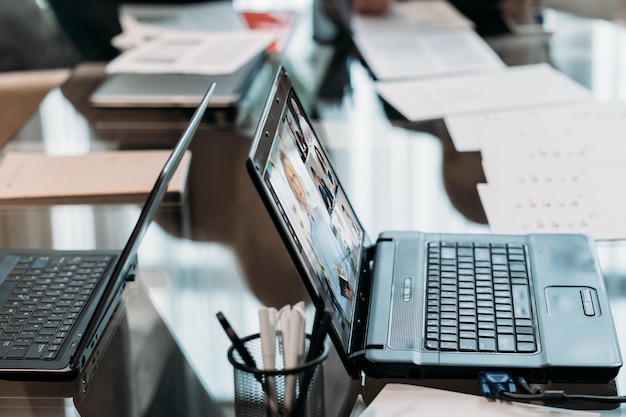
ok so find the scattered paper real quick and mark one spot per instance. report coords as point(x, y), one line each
point(515, 88)
point(597, 211)
point(588, 120)
point(209, 53)
point(398, 52)
point(421, 15)
point(534, 161)
point(142, 22)
point(567, 185)
point(421, 38)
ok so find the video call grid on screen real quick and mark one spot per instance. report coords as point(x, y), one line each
point(314, 208)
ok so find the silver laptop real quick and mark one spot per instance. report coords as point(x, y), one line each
point(429, 305)
point(57, 304)
point(134, 90)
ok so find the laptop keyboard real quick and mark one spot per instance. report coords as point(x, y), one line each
point(478, 298)
point(44, 296)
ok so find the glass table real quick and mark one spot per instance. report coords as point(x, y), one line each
point(166, 354)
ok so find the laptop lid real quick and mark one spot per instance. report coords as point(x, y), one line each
point(309, 206)
point(126, 261)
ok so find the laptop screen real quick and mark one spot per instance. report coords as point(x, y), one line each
point(314, 210)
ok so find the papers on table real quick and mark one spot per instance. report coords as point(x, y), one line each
point(141, 22)
point(400, 400)
point(590, 119)
point(552, 155)
point(208, 38)
point(560, 185)
point(421, 38)
point(209, 53)
point(556, 208)
point(405, 53)
point(514, 88)
point(421, 15)
point(562, 160)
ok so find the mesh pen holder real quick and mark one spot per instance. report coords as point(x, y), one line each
point(279, 392)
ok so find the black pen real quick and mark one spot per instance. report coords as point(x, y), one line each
point(237, 343)
point(271, 403)
point(318, 335)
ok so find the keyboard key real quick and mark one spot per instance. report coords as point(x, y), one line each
point(448, 253)
point(487, 344)
point(432, 344)
point(49, 355)
point(525, 338)
point(467, 335)
point(448, 346)
point(487, 333)
point(499, 259)
point(524, 330)
point(35, 351)
point(521, 302)
point(5, 345)
point(468, 344)
point(506, 343)
point(525, 347)
point(482, 254)
point(448, 337)
point(469, 327)
point(16, 352)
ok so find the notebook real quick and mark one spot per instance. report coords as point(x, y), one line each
point(429, 305)
point(106, 177)
point(56, 304)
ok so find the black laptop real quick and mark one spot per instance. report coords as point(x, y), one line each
point(429, 305)
point(56, 304)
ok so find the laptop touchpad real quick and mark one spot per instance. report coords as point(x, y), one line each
point(572, 302)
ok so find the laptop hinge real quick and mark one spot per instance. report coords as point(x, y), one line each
point(359, 328)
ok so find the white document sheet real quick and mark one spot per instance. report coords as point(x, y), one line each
point(571, 185)
point(598, 210)
point(178, 52)
point(422, 14)
point(527, 86)
point(589, 160)
point(587, 120)
point(398, 400)
point(398, 52)
point(141, 22)
point(421, 38)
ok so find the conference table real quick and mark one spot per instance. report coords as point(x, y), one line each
point(217, 248)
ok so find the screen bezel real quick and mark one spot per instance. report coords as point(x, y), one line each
point(276, 105)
